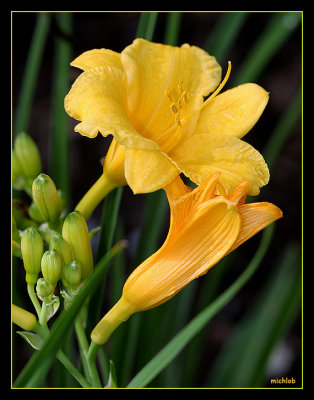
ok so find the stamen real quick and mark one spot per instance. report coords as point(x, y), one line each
point(170, 97)
point(173, 108)
point(177, 106)
point(178, 121)
point(180, 87)
point(222, 84)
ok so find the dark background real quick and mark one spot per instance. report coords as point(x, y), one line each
point(282, 78)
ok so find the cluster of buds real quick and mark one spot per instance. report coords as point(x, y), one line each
point(69, 257)
point(52, 244)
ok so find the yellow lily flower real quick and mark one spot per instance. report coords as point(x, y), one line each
point(205, 225)
point(150, 97)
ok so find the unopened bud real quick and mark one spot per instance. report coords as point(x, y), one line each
point(51, 266)
point(35, 214)
point(18, 179)
point(44, 288)
point(58, 243)
point(46, 199)
point(75, 231)
point(28, 155)
point(32, 248)
point(23, 318)
point(71, 274)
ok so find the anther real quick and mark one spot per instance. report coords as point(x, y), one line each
point(170, 97)
point(173, 108)
point(178, 121)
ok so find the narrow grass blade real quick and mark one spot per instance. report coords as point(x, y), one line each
point(283, 130)
point(60, 141)
point(172, 30)
point(224, 34)
point(243, 361)
point(108, 225)
point(146, 25)
point(278, 30)
point(173, 348)
point(37, 367)
point(30, 76)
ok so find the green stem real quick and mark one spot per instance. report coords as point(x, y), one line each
point(73, 371)
point(43, 331)
point(95, 195)
point(83, 344)
point(44, 314)
point(33, 297)
point(91, 359)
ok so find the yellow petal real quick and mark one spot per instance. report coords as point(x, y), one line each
point(98, 100)
point(233, 112)
point(148, 170)
point(254, 218)
point(158, 77)
point(183, 200)
point(204, 154)
point(199, 245)
point(94, 60)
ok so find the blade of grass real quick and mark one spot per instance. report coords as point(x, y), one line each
point(224, 34)
point(146, 25)
point(30, 75)
point(172, 30)
point(173, 348)
point(243, 360)
point(155, 208)
point(60, 155)
point(108, 225)
point(209, 291)
point(278, 30)
point(37, 367)
point(283, 130)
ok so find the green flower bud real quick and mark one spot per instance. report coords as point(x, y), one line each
point(75, 231)
point(32, 248)
point(28, 155)
point(15, 231)
point(44, 288)
point(58, 243)
point(71, 274)
point(35, 214)
point(46, 199)
point(18, 179)
point(51, 266)
point(23, 318)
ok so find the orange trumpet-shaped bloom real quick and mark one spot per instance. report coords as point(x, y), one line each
point(205, 225)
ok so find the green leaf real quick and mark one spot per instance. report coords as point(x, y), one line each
point(30, 77)
point(146, 25)
point(38, 366)
point(224, 34)
point(60, 138)
point(243, 360)
point(281, 25)
point(112, 381)
point(31, 338)
point(173, 348)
